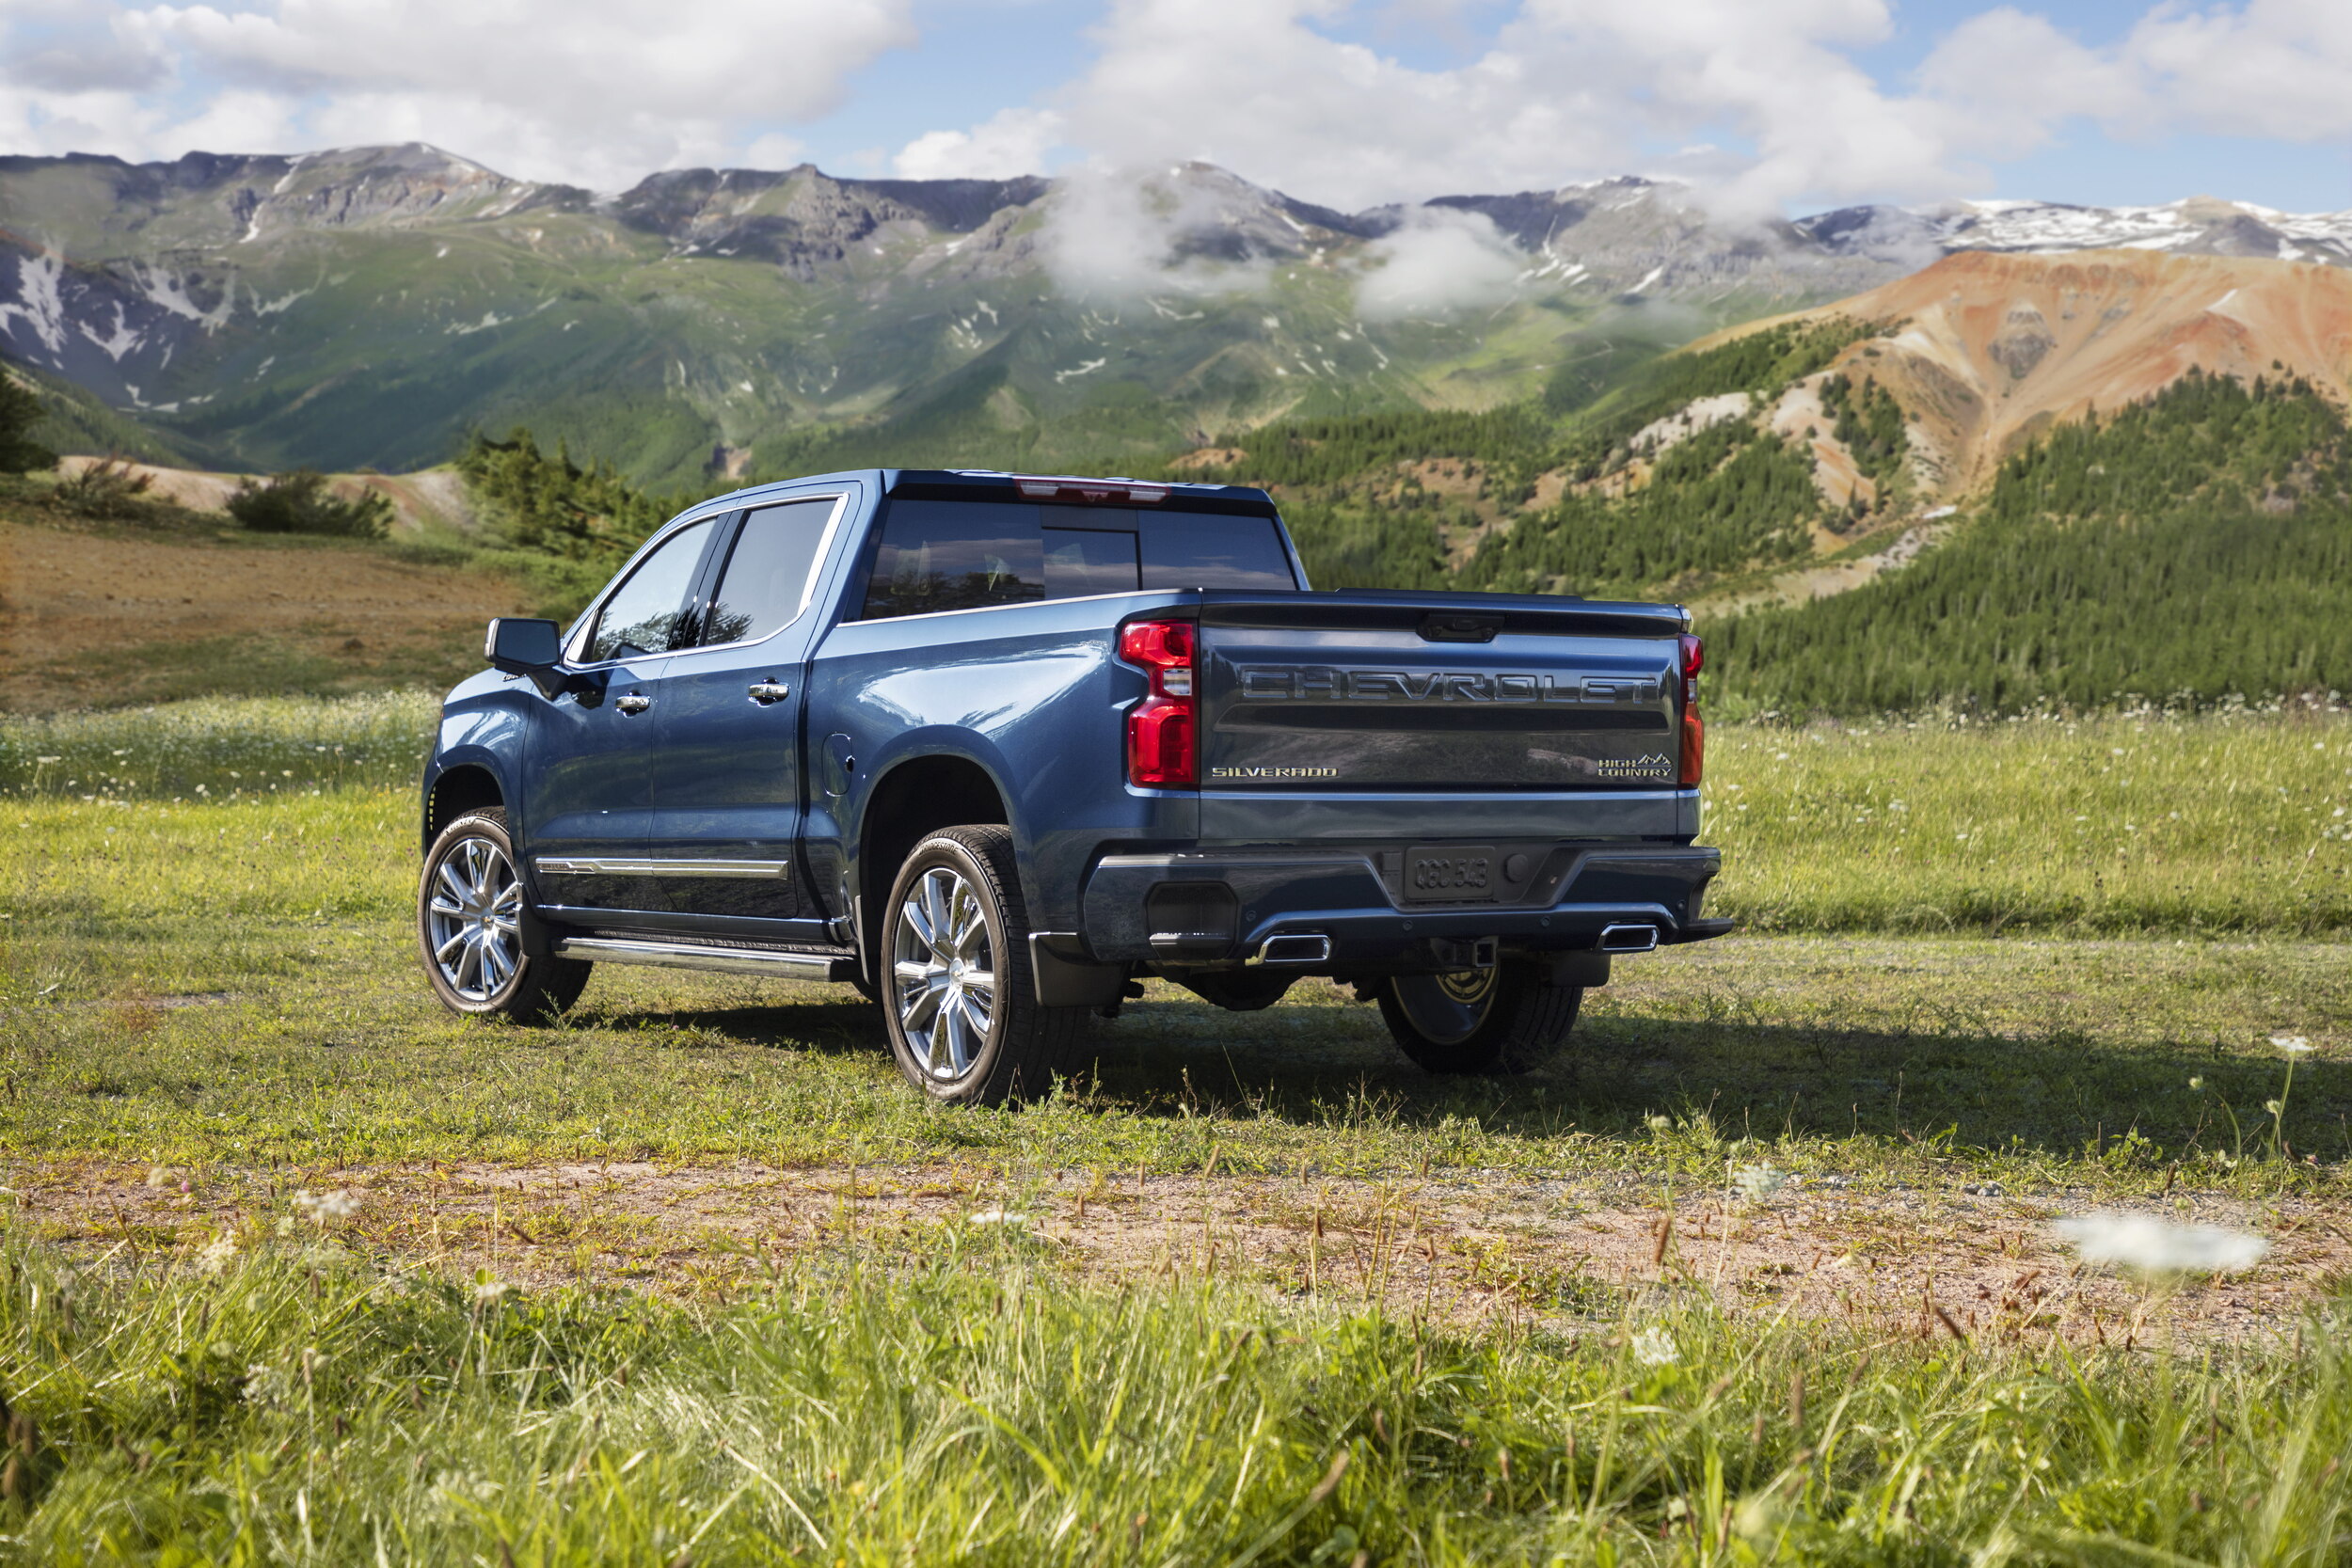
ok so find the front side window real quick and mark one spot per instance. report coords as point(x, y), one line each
point(955, 555)
point(766, 581)
point(648, 614)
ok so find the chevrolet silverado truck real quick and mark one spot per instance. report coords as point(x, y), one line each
point(994, 747)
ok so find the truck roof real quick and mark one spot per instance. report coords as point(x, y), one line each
point(1070, 489)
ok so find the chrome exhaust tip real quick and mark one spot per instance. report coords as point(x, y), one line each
point(1628, 939)
point(1300, 949)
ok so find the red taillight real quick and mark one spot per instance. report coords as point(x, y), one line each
point(1693, 728)
point(1163, 731)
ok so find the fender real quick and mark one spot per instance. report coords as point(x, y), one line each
point(899, 751)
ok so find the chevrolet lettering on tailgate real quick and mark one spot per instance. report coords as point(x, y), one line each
point(1275, 683)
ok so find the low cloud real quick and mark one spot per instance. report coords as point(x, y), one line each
point(1118, 234)
point(1440, 263)
point(1010, 143)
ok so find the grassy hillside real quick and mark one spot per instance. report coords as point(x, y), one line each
point(79, 423)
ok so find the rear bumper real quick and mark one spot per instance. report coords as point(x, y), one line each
point(1172, 908)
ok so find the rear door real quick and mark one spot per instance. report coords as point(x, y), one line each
point(727, 782)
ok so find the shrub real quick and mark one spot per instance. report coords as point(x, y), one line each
point(107, 488)
point(298, 502)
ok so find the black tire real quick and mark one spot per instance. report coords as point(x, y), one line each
point(992, 1044)
point(1502, 1019)
point(466, 929)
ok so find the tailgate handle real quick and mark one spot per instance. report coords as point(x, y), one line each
point(1445, 626)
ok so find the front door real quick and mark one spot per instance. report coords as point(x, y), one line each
point(727, 777)
point(590, 751)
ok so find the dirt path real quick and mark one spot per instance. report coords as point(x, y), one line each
point(1461, 1247)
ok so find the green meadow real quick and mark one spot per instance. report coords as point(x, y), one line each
point(2039, 958)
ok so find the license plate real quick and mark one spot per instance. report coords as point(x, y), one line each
point(1450, 876)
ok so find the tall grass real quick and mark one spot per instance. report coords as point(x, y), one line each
point(303, 1406)
point(2210, 825)
point(220, 747)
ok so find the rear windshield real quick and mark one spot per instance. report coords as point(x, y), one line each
point(962, 555)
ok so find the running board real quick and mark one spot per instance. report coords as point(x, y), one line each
point(732, 960)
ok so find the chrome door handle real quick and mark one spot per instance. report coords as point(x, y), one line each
point(636, 701)
point(767, 691)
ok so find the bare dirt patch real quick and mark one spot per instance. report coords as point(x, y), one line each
point(420, 500)
point(1209, 457)
point(1458, 1246)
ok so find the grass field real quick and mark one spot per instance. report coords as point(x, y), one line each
point(307, 1406)
point(693, 1261)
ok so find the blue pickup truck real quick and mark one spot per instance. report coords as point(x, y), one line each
point(992, 747)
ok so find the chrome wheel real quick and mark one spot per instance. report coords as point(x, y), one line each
point(1447, 1009)
point(470, 919)
point(944, 972)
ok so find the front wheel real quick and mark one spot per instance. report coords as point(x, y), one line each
point(1479, 1021)
point(964, 1021)
point(469, 927)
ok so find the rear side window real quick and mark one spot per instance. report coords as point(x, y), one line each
point(647, 613)
point(766, 581)
point(955, 555)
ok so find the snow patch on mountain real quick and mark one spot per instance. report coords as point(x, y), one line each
point(37, 304)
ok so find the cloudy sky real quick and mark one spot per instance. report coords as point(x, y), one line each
point(1769, 104)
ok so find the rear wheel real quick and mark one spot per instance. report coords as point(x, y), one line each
point(962, 1007)
point(1498, 1020)
point(469, 919)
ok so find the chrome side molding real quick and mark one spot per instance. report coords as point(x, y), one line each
point(609, 866)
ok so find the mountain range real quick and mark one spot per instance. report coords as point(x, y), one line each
point(366, 306)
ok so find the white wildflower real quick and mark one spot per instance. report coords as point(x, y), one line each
point(2196, 1083)
point(214, 1255)
point(1758, 1182)
point(2157, 1246)
point(162, 1176)
point(2294, 1045)
point(1655, 1347)
point(319, 1208)
point(486, 1291)
point(1662, 1124)
point(1000, 1217)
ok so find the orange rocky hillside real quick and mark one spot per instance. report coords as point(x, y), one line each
point(1984, 351)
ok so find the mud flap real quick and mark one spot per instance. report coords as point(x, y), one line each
point(1066, 979)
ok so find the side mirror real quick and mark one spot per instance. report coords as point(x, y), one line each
point(526, 647)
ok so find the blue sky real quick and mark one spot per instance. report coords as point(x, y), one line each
point(1781, 104)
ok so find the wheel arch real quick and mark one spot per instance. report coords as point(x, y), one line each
point(913, 796)
point(457, 789)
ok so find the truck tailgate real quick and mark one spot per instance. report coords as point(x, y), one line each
point(1447, 693)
